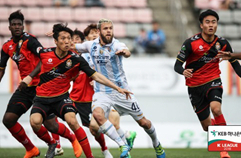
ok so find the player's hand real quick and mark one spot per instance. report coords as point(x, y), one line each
point(24, 83)
point(224, 55)
point(49, 34)
point(188, 73)
point(120, 52)
point(126, 92)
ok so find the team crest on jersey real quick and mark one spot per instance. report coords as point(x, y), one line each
point(218, 46)
point(109, 49)
point(68, 63)
point(101, 51)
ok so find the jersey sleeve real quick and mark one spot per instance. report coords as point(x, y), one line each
point(185, 51)
point(84, 66)
point(34, 45)
point(83, 47)
point(3, 59)
point(121, 46)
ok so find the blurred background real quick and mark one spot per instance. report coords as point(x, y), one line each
point(154, 31)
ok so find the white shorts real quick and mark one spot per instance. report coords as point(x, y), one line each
point(119, 102)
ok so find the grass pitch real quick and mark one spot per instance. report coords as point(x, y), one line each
point(135, 153)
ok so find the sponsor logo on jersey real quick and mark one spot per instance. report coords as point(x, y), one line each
point(200, 48)
point(38, 49)
point(68, 63)
point(10, 47)
point(50, 61)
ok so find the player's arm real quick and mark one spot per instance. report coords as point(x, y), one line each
point(84, 66)
point(34, 45)
point(123, 50)
point(235, 64)
point(181, 58)
point(28, 79)
point(3, 63)
point(83, 47)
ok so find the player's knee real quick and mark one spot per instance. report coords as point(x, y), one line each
point(216, 111)
point(144, 123)
point(36, 121)
point(98, 115)
point(9, 120)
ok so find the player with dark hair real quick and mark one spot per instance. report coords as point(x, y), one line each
point(22, 48)
point(78, 36)
point(59, 66)
point(202, 71)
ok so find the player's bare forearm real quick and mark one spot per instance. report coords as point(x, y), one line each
point(36, 70)
point(2, 71)
point(235, 55)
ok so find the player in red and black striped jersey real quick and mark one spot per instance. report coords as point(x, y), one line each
point(202, 71)
point(22, 48)
point(59, 66)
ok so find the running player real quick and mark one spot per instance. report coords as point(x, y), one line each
point(22, 48)
point(59, 66)
point(107, 53)
point(202, 71)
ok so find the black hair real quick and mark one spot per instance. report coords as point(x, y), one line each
point(80, 34)
point(89, 28)
point(207, 13)
point(16, 15)
point(57, 28)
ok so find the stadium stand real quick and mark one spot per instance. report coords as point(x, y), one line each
point(127, 15)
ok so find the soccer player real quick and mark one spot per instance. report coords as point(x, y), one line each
point(107, 54)
point(22, 48)
point(59, 66)
point(202, 71)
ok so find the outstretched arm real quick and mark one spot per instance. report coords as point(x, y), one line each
point(103, 80)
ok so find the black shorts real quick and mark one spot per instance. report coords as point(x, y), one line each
point(59, 105)
point(84, 110)
point(201, 97)
point(21, 101)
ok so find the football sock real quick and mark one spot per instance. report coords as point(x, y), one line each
point(18, 133)
point(65, 132)
point(220, 120)
point(101, 140)
point(44, 135)
point(122, 135)
point(152, 133)
point(84, 142)
point(108, 129)
point(56, 136)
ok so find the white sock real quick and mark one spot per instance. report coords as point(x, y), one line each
point(152, 133)
point(122, 135)
point(108, 129)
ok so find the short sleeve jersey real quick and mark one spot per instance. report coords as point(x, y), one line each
point(56, 72)
point(106, 62)
point(82, 91)
point(26, 57)
point(199, 55)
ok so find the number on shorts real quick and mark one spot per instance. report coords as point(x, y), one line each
point(135, 106)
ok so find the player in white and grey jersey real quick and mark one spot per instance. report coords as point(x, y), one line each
point(107, 54)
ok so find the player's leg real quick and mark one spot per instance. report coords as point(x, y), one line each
point(85, 113)
point(215, 98)
point(67, 112)
point(39, 113)
point(101, 107)
point(99, 137)
point(19, 103)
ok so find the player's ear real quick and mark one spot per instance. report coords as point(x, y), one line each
point(55, 41)
point(201, 25)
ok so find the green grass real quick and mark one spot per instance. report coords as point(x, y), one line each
point(135, 153)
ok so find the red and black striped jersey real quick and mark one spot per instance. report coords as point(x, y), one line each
point(56, 73)
point(199, 55)
point(24, 53)
point(82, 90)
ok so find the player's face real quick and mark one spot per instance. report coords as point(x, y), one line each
point(92, 35)
point(64, 41)
point(106, 32)
point(209, 25)
point(16, 27)
point(76, 39)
